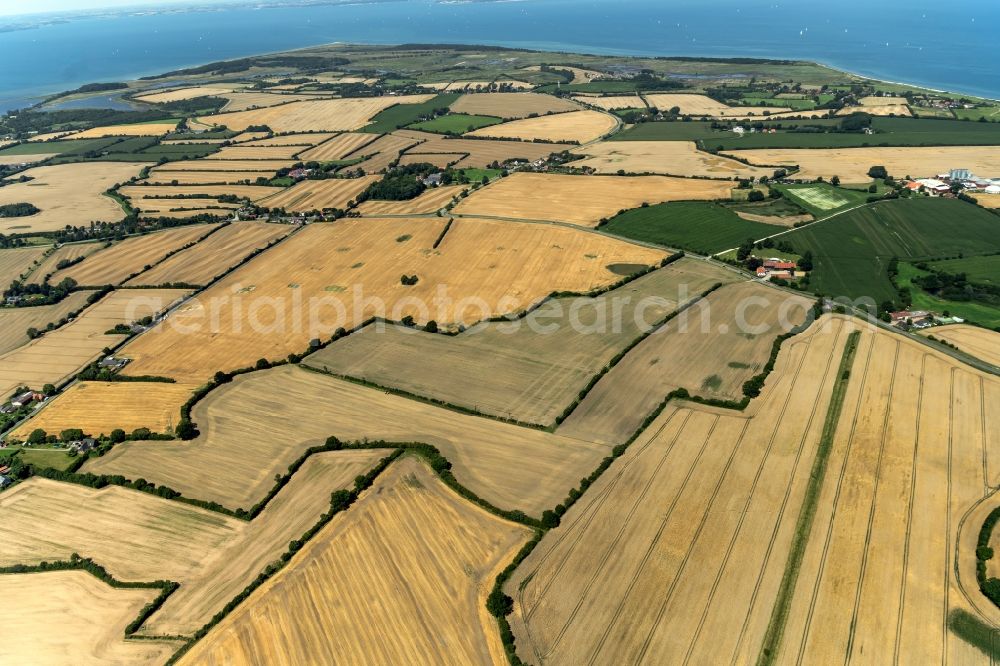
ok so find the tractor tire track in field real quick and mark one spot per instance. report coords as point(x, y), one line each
point(774, 532)
point(746, 505)
point(652, 545)
point(909, 512)
point(871, 511)
point(833, 513)
point(609, 550)
point(594, 503)
point(947, 540)
point(694, 540)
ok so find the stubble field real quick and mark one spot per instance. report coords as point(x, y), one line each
point(67, 252)
point(244, 433)
point(537, 366)
point(99, 407)
point(67, 194)
point(979, 342)
point(578, 126)
point(322, 115)
point(213, 256)
point(18, 261)
point(511, 105)
point(333, 271)
point(678, 158)
point(710, 350)
point(15, 322)
point(58, 355)
point(339, 147)
point(582, 200)
point(309, 195)
point(116, 263)
point(90, 617)
point(430, 201)
point(319, 609)
point(852, 164)
point(612, 103)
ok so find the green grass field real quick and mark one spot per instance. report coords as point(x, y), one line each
point(852, 251)
point(401, 115)
point(981, 270)
point(979, 313)
point(60, 147)
point(456, 123)
point(784, 102)
point(928, 112)
point(39, 457)
point(991, 113)
point(706, 228)
point(823, 200)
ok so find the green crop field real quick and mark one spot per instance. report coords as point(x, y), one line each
point(707, 228)
point(456, 123)
point(794, 104)
point(980, 313)
point(852, 251)
point(991, 113)
point(60, 147)
point(401, 115)
point(819, 133)
point(982, 270)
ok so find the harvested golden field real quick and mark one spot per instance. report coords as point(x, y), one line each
point(70, 617)
point(67, 194)
point(212, 556)
point(99, 407)
point(878, 109)
point(987, 200)
point(677, 158)
point(251, 192)
point(242, 101)
point(15, 322)
point(431, 201)
point(537, 365)
point(319, 608)
point(214, 256)
point(158, 177)
point(381, 153)
point(261, 165)
point(440, 160)
point(247, 152)
point(122, 260)
point(66, 252)
point(243, 431)
point(511, 105)
point(184, 210)
point(306, 139)
point(666, 553)
point(310, 195)
point(16, 262)
point(246, 137)
point(612, 102)
point(481, 152)
point(582, 200)
point(852, 164)
point(710, 350)
point(139, 129)
point(982, 343)
point(700, 105)
point(575, 126)
point(17, 160)
point(47, 136)
point(327, 114)
point(181, 94)
point(338, 147)
point(343, 273)
point(56, 356)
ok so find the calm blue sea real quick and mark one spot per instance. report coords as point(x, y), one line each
point(949, 45)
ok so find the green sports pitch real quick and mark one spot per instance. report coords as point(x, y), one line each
point(822, 198)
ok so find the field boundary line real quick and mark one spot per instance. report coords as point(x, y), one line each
point(871, 510)
point(776, 626)
point(909, 513)
point(945, 635)
point(817, 582)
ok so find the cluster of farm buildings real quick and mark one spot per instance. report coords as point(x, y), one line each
point(779, 268)
point(945, 182)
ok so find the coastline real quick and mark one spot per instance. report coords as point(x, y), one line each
point(41, 98)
